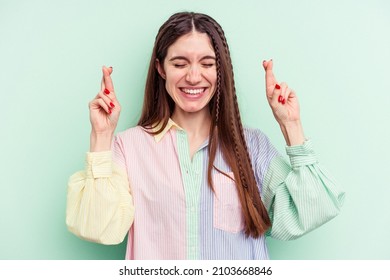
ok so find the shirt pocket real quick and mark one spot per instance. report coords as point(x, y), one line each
point(227, 206)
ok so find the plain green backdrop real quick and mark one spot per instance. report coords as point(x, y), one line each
point(335, 54)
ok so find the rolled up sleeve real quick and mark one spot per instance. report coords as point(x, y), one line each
point(99, 201)
point(299, 196)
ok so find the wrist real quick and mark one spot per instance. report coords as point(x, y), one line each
point(100, 142)
point(293, 132)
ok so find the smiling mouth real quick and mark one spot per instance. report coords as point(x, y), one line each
point(193, 91)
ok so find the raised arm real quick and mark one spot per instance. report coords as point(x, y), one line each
point(285, 107)
point(299, 195)
point(104, 111)
point(99, 203)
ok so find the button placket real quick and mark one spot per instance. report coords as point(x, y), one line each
point(192, 184)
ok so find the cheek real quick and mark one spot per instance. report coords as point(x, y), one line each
point(212, 76)
point(213, 80)
point(168, 84)
point(172, 79)
point(171, 84)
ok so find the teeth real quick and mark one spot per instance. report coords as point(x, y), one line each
point(193, 91)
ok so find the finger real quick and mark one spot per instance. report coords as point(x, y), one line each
point(287, 95)
point(270, 80)
point(102, 83)
point(110, 99)
point(107, 85)
point(99, 104)
point(110, 94)
point(276, 94)
point(104, 106)
point(106, 98)
point(283, 89)
point(107, 79)
point(106, 73)
point(265, 63)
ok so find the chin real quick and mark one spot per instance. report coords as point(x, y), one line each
point(192, 109)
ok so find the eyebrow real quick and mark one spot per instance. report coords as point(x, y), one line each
point(185, 58)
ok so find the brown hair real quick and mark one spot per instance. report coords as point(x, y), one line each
point(226, 131)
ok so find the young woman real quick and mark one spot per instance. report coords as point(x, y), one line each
point(190, 182)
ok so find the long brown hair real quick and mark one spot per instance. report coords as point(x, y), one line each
point(226, 131)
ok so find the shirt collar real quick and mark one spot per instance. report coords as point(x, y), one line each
point(169, 125)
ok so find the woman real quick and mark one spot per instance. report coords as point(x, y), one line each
point(189, 182)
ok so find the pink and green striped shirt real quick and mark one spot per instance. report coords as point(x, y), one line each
point(149, 186)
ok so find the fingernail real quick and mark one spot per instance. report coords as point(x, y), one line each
point(277, 86)
point(109, 111)
point(111, 67)
point(106, 91)
point(264, 61)
point(284, 101)
point(112, 105)
point(280, 98)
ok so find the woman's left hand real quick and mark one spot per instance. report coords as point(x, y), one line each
point(281, 98)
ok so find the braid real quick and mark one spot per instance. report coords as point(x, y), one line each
point(218, 95)
point(236, 109)
point(256, 216)
point(218, 63)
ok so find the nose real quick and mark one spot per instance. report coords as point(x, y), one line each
point(194, 75)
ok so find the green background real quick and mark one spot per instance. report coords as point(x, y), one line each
point(335, 54)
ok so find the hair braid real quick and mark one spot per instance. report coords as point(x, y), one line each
point(218, 94)
point(257, 220)
point(236, 110)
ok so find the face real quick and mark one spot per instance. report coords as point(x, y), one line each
point(190, 73)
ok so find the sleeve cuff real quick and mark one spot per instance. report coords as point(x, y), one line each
point(99, 164)
point(302, 155)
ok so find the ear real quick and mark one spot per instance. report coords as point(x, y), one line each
point(160, 69)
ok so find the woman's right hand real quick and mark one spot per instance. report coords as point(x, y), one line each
point(104, 112)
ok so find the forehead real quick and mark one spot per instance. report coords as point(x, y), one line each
point(193, 44)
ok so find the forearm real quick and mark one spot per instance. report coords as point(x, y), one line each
point(293, 133)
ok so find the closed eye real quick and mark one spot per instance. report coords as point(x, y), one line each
point(179, 65)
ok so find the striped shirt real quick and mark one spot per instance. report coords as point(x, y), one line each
point(171, 211)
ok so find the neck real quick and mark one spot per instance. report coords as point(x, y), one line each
point(195, 124)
